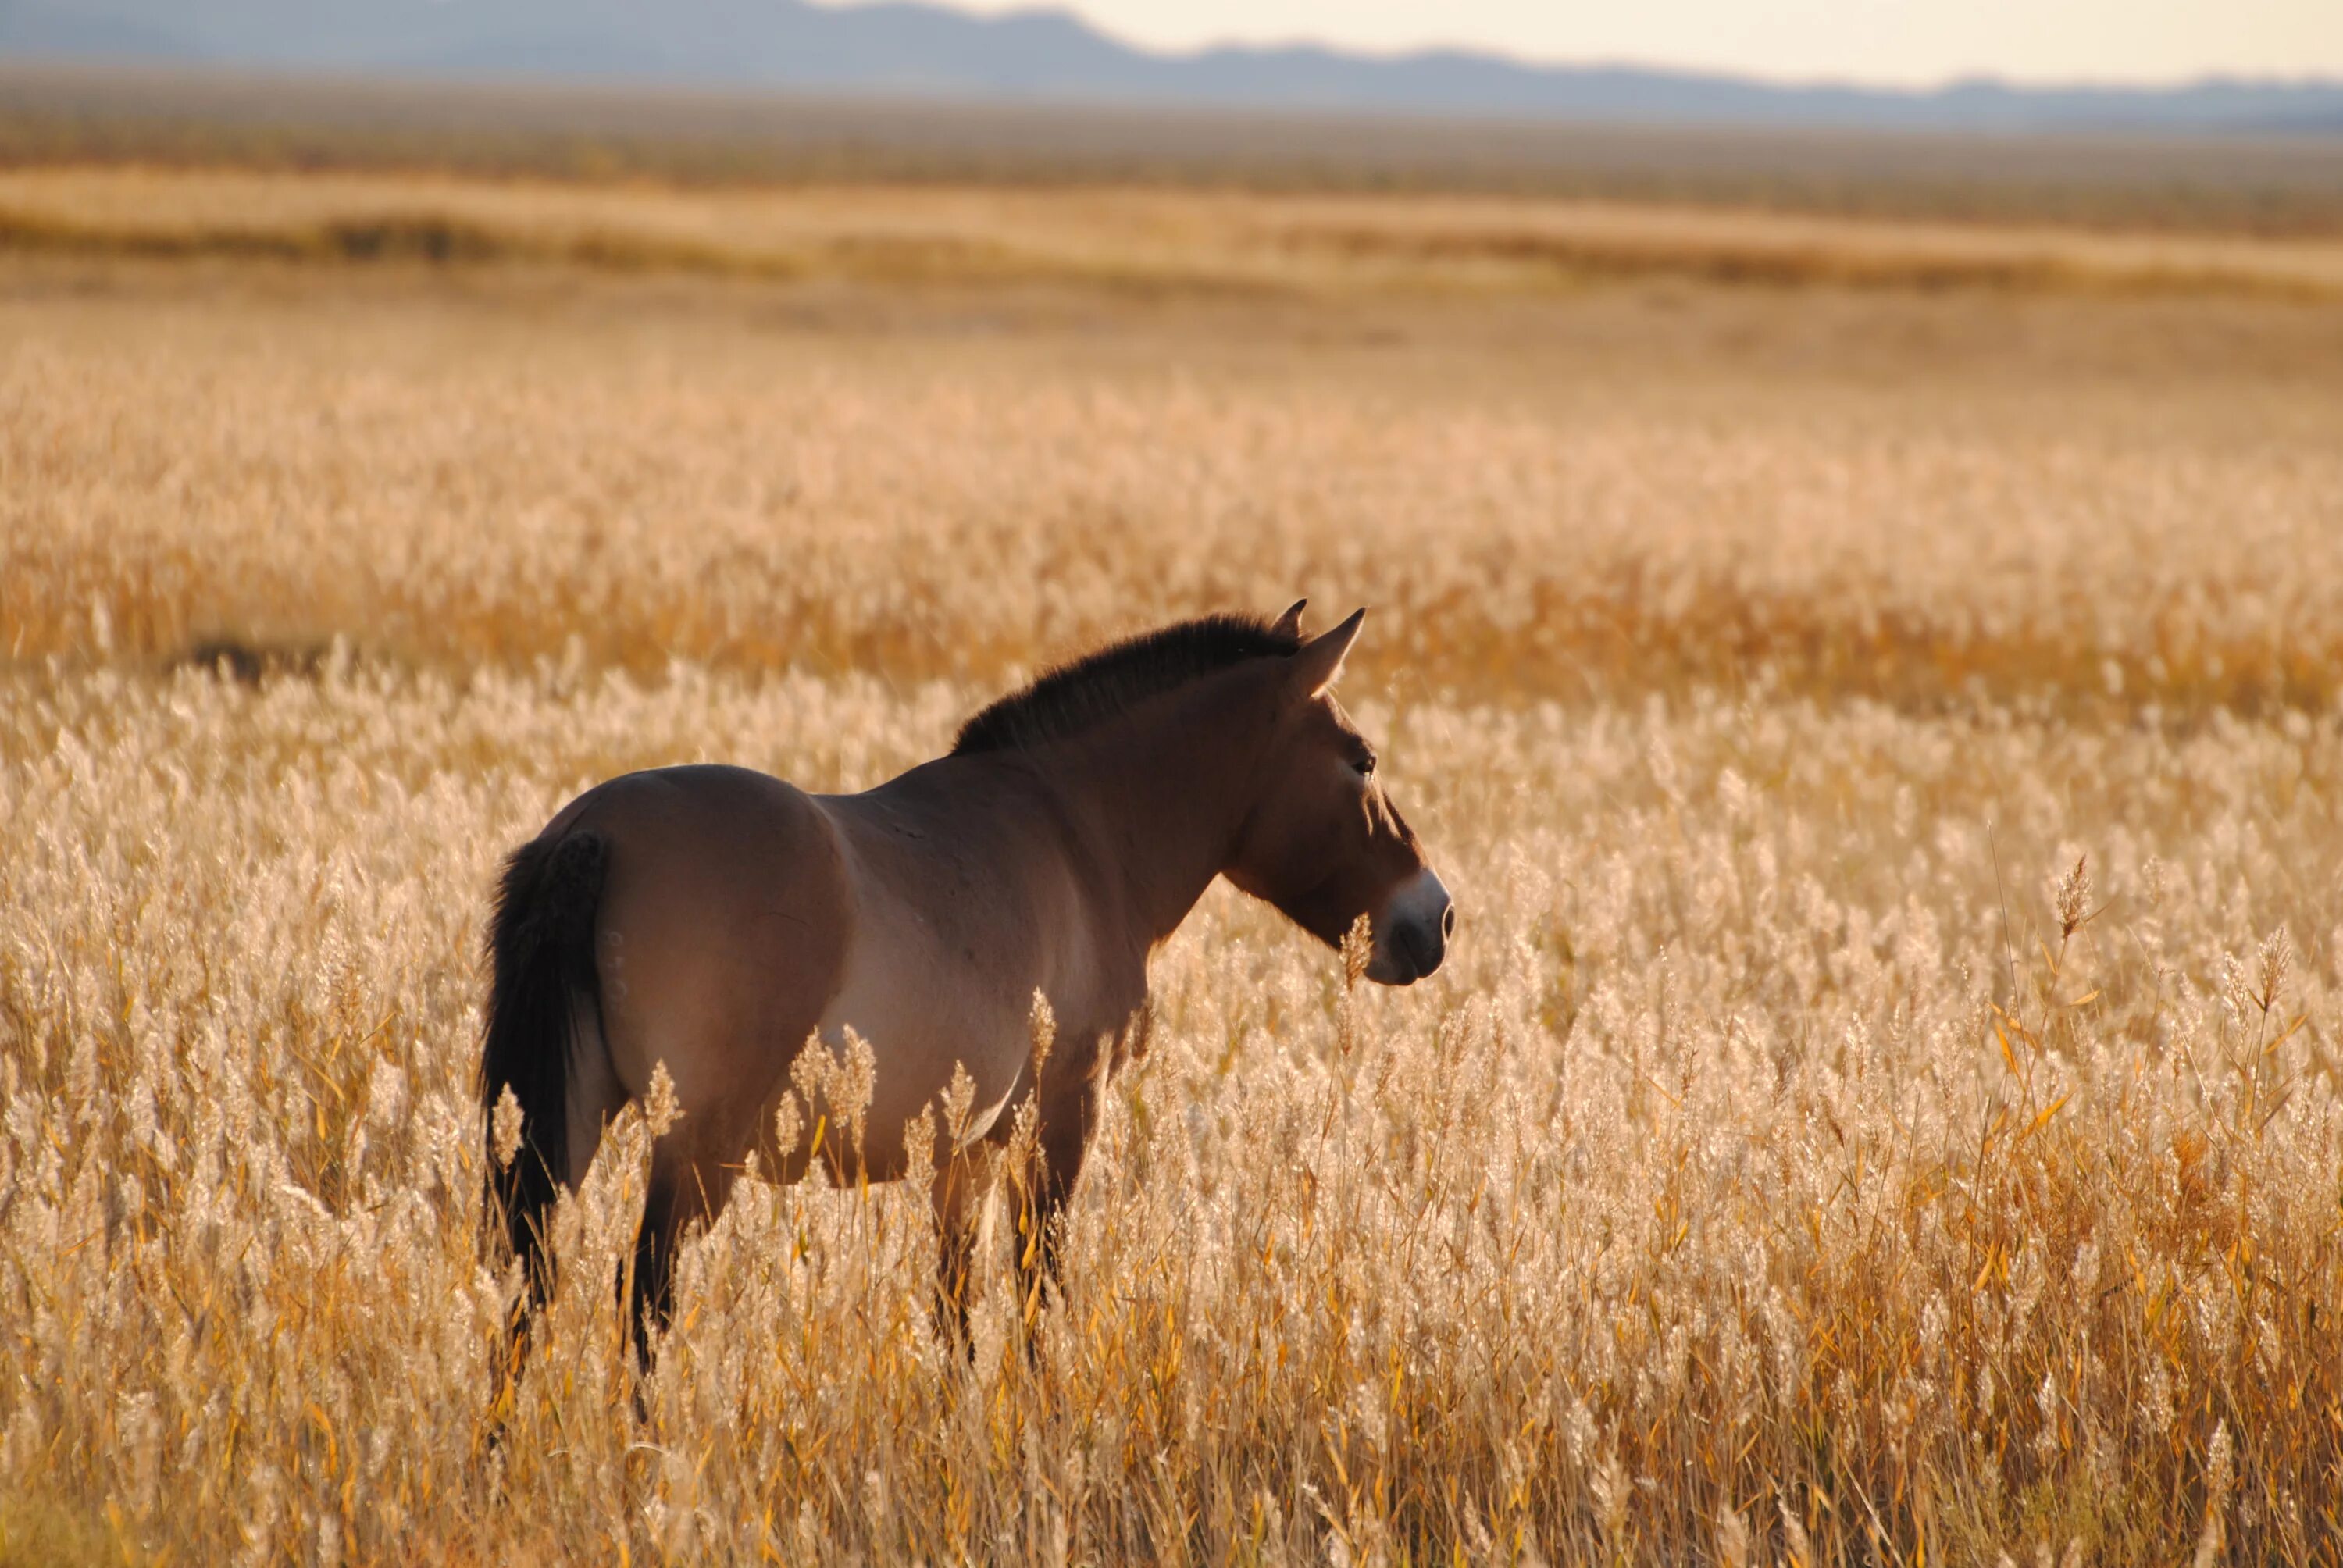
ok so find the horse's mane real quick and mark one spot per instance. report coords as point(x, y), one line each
point(1090, 690)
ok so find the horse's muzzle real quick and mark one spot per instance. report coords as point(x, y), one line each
point(1412, 937)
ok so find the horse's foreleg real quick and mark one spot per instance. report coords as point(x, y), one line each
point(1068, 1118)
point(960, 1192)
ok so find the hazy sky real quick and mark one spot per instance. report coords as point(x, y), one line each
point(1886, 41)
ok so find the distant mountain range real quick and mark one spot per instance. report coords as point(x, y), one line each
point(902, 47)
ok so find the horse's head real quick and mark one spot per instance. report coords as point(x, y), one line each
point(1323, 842)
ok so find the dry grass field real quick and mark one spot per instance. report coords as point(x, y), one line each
point(1884, 730)
point(1136, 239)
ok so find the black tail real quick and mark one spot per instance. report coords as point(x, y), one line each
point(541, 944)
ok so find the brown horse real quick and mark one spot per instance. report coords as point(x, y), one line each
point(716, 921)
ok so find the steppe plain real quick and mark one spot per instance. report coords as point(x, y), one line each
point(1874, 686)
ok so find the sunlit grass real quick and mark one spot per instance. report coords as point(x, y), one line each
point(530, 475)
point(1746, 1166)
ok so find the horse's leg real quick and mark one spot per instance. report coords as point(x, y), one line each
point(595, 1096)
point(960, 1192)
point(1069, 1116)
point(690, 1178)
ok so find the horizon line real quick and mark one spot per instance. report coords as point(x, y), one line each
point(1796, 82)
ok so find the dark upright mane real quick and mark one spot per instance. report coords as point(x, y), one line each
point(1073, 697)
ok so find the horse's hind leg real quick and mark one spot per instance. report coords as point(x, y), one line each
point(690, 1182)
point(595, 1096)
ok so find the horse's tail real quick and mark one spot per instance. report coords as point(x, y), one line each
point(541, 945)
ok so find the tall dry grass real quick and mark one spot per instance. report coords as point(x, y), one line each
point(1883, 1100)
point(1745, 1180)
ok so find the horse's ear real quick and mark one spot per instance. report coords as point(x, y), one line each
point(1318, 664)
point(1290, 623)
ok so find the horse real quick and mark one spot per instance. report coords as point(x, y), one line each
point(713, 924)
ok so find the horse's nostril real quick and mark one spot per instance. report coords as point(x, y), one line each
point(1448, 922)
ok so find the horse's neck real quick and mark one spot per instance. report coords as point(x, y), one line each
point(1163, 794)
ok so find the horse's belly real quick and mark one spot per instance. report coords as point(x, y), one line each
point(924, 1015)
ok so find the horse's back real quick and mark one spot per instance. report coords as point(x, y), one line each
point(725, 915)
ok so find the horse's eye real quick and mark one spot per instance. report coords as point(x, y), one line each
point(1367, 766)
